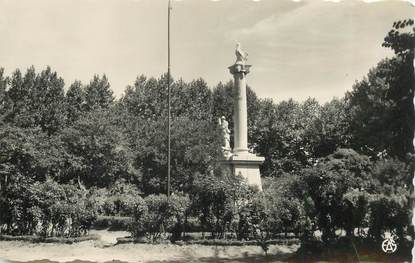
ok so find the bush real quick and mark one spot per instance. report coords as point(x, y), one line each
point(338, 187)
point(260, 219)
point(118, 200)
point(113, 222)
point(288, 209)
point(192, 224)
point(389, 204)
point(157, 215)
point(225, 242)
point(389, 213)
point(216, 200)
point(62, 240)
point(48, 209)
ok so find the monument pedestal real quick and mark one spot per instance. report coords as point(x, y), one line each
point(247, 166)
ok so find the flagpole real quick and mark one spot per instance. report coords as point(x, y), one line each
point(169, 108)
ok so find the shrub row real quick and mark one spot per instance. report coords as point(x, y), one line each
point(113, 222)
point(40, 239)
point(214, 242)
point(45, 209)
point(225, 242)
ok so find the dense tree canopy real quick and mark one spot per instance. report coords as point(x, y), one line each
point(381, 105)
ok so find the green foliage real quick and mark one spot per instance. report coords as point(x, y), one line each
point(282, 195)
point(157, 214)
point(64, 158)
point(389, 213)
point(98, 94)
point(75, 100)
point(337, 186)
point(259, 216)
point(195, 136)
point(348, 191)
point(113, 222)
point(330, 130)
point(29, 153)
point(401, 39)
point(216, 200)
point(48, 209)
point(100, 149)
point(381, 104)
point(36, 100)
point(4, 81)
point(120, 199)
point(390, 204)
point(292, 136)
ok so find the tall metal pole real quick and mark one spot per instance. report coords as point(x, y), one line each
point(168, 90)
point(413, 143)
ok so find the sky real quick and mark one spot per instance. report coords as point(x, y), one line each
point(297, 49)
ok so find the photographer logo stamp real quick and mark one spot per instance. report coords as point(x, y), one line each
point(389, 246)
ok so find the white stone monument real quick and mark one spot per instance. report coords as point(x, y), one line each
point(241, 161)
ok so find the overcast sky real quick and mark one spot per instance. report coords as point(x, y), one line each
point(298, 49)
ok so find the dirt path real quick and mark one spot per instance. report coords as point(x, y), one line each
point(97, 251)
point(109, 237)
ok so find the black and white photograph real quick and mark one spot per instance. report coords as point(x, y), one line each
point(207, 131)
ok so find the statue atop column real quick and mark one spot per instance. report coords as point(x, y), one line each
point(241, 56)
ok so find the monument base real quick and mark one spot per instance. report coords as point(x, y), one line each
point(246, 165)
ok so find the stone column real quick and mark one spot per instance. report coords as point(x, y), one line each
point(239, 72)
point(243, 162)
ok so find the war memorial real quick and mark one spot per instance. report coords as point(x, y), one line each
point(239, 160)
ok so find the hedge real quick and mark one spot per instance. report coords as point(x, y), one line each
point(113, 222)
point(214, 242)
point(40, 239)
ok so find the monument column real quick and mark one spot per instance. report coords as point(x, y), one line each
point(241, 161)
point(239, 71)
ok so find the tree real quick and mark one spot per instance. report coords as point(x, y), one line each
point(381, 104)
point(260, 219)
point(101, 151)
point(19, 99)
point(75, 100)
point(195, 135)
point(216, 200)
point(390, 204)
point(50, 97)
point(30, 154)
point(223, 103)
point(339, 186)
point(121, 198)
point(45, 208)
point(4, 82)
point(37, 100)
point(377, 111)
point(145, 100)
point(192, 99)
point(282, 195)
point(98, 94)
point(158, 214)
point(331, 128)
point(401, 39)
point(284, 135)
